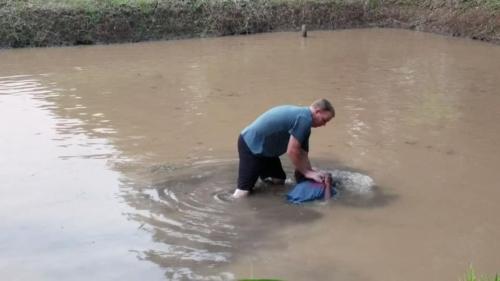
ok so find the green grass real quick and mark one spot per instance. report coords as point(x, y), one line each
point(77, 4)
point(35, 23)
point(467, 4)
point(147, 4)
point(471, 275)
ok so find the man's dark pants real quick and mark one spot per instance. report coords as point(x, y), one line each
point(254, 166)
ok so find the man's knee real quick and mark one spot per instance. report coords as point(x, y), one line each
point(277, 181)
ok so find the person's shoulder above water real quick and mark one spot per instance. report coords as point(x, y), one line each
point(279, 114)
point(289, 110)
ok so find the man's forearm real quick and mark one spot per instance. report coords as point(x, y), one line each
point(300, 160)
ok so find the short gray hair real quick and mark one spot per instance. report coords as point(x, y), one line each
point(324, 105)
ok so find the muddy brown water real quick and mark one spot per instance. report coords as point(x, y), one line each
point(116, 161)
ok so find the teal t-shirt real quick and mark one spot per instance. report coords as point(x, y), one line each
point(269, 134)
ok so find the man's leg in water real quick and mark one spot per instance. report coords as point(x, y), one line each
point(248, 170)
point(272, 170)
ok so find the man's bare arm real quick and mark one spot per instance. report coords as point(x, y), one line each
point(300, 159)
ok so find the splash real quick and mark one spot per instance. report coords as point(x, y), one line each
point(353, 182)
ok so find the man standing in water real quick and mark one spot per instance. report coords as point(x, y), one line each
point(281, 129)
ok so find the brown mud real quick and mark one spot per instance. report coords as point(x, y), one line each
point(37, 26)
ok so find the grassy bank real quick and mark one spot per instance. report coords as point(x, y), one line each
point(471, 275)
point(72, 22)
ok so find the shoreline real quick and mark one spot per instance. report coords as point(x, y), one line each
point(27, 24)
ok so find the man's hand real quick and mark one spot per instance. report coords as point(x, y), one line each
point(300, 160)
point(320, 176)
point(317, 176)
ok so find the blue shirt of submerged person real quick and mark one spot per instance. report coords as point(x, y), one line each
point(269, 134)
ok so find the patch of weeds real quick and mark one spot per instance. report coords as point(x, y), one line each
point(495, 5)
point(373, 4)
point(471, 275)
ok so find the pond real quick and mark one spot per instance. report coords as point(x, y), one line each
point(117, 161)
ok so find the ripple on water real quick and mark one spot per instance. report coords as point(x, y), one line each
point(190, 213)
point(186, 211)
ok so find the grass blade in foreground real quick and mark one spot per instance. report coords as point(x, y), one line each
point(471, 275)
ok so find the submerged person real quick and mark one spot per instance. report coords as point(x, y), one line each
point(282, 129)
point(307, 190)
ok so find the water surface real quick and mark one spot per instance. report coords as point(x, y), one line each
point(117, 160)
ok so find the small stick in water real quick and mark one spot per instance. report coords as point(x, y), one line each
point(304, 30)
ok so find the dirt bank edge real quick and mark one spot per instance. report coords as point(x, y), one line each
point(36, 26)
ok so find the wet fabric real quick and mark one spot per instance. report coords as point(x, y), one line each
point(307, 191)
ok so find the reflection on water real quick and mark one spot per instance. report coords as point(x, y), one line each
point(194, 230)
point(58, 206)
point(125, 155)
